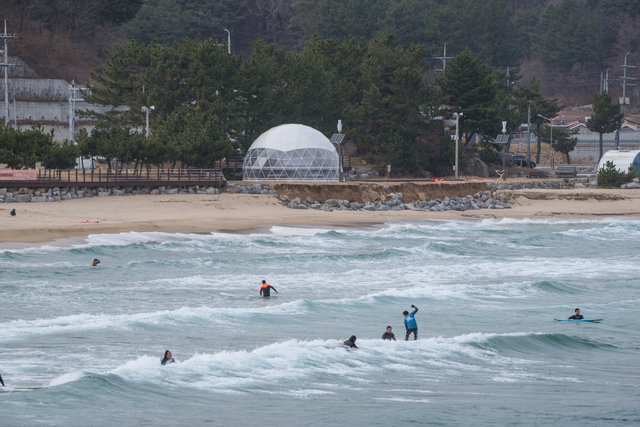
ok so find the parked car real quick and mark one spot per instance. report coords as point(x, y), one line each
point(522, 161)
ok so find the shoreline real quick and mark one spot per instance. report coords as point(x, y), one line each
point(41, 223)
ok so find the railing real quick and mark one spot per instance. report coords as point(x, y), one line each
point(131, 177)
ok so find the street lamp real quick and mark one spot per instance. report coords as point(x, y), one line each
point(228, 40)
point(550, 140)
point(457, 116)
point(147, 110)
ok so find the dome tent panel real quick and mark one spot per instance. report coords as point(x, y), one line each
point(622, 160)
point(303, 154)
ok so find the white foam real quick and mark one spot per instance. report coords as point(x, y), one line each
point(66, 378)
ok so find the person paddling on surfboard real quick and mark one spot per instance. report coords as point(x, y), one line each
point(167, 359)
point(410, 323)
point(351, 342)
point(2, 381)
point(576, 316)
point(265, 289)
point(95, 262)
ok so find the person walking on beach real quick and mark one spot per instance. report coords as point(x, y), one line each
point(351, 342)
point(576, 316)
point(388, 335)
point(167, 359)
point(13, 212)
point(95, 262)
point(265, 289)
point(410, 323)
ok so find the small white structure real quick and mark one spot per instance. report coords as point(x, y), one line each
point(291, 152)
point(622, 159)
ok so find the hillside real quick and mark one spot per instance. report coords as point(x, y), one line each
point(566, 44)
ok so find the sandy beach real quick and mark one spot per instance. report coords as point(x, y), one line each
point(46, 222)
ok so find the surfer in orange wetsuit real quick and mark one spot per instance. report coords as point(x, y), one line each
point(265, 289)
point(95, 262)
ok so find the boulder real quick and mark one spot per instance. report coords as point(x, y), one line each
point(475, 167)
point(145, 190)
point(350, 149)
point(118, 193)
point(162, 189)
point(154, 192)
point(103, 194)
point(172, 191)
point(309, 200)
point(579, 185)
point(233, 190)
point(38, 199)
point(285, 199)
point(629, 185)
point(10, 200)
point(211, 190)
point(23, 198)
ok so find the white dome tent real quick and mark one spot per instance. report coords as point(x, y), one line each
point(622, 159)
point(291, 152)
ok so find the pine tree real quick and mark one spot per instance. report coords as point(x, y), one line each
point(606, 116)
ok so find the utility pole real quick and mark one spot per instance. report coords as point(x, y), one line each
point(6, 66)
point(73, 97)
point(624, 95)
point(528, 136)
point(443, 58)
point(606, 81)
point(147, 110)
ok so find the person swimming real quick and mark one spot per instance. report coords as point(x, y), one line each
point(265, 289)
point(95, 262)
point(388, 335)
point(576, 316)
point(167, 358)
point(351, 342)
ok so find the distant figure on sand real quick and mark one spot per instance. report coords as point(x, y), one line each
point(1, 382)
point(167, 358)
point(351, 342)
point(410, 323)
point(95, 262)
point(13, 212)
point(388, 335)
point(265, 289)
point(576, 316)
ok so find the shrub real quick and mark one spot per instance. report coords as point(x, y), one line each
point(609, 176)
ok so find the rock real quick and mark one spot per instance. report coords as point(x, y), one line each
point(273, 192)
point(211, 190)
point(636, 180)
point(350, 149)
point(292, 205)
point(23, 198)
point(579, 185)
point(233, 190)
point(162, 189)
point(103, 194)
point(38, 199)
point(145, 190)
point(10, 200)
point(629, 185)
point(172, 191)
point(197, 192)
point(151, 192)
point(476, 167)
point(285, 199)
point(309, 200)
point(120, 192)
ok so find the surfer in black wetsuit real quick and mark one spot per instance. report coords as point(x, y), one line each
point(576, 316)
point(2, 382)
point(265, 289)
point(167, 358)
point(388, 335)
point(351, 342)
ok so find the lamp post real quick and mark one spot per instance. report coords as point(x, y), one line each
point(340, 171)
point(147, 110)
point(228, 40)
point(550, 140)
point(457, 116)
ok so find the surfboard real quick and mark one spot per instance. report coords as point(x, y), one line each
point(86, 222)
point(579, 320)
point(23, 387)
point(227, 295)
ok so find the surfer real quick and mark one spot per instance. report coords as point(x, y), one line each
point(388, 335)
point(576, 316)
point(265, 289)
point(95, 262)
point(167, 358)
point(351, 342)
point(13, 212)
point(410, 323)
point(1, 382)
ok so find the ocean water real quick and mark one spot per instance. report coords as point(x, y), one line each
point(489, 352)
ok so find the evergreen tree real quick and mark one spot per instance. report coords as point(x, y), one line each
point(606, 117)
point(564, 141)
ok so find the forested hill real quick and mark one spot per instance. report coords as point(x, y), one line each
point(566, 43)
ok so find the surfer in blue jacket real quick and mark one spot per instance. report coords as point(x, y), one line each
point(410, 323)
point(576, 316)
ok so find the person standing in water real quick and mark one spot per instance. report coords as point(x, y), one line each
point(388, 335)
point(351, 342)
point(95, 262)
point(410, 323)
point(167, 359)
point(576, 316)
point(265, 289)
